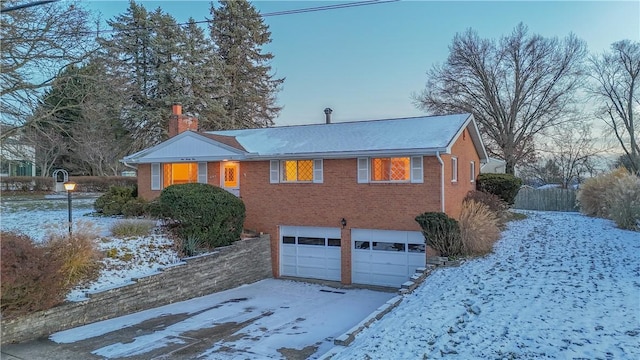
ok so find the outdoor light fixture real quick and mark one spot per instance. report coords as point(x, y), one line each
point(70, 186)
point(343, 222)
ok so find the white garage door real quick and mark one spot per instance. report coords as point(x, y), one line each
point(385, 257)
point(310, 252)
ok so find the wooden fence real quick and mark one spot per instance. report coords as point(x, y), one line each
point(546, 199)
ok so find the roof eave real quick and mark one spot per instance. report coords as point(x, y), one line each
point(347, 154)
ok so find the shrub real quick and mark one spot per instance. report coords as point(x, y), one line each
point(114, 200)
point(505, 186)
point(31, 279)
point(126, 228)
point(624, 200)
point(204, 211)
point(593, 197)
point(190, 246)
point(441, 233)
point(78, 255)
point(135, 207)
point(478, 228)
point(491, 201)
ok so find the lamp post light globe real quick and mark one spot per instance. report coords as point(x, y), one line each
point(70, 186)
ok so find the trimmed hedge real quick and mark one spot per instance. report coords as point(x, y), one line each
point(203, 212)
point(46, 184)
point(441, 233)
point(505, 186)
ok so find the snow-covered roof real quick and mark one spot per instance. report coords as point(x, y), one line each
point(407, 136)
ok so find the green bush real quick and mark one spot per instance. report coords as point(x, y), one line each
point(505, 186)
point(203, 211)
point(441, 233)
point(624, 200)
point(135, 207)
point(113, 201)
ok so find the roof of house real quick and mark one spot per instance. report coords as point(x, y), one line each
point(426, 135)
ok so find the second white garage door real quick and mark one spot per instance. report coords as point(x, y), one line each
point(385, 257)
point(310, 252)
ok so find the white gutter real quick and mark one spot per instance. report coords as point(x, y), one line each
point(441, 179)
point(127, 165)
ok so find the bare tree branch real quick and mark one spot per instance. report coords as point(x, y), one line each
point(515, 88)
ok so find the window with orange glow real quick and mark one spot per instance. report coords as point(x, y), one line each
point(231, 175)
point(179, 173)
point(297, 170)
point(390, 169)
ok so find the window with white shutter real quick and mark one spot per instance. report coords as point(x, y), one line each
point(274, 172)
point(417, 174)
point(202, 172)
point(155, 177)
point(363, 170)
point(317, 171)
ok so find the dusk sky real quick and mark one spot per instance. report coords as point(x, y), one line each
point(365, 62)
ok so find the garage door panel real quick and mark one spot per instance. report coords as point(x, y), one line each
point(289, 250)
point(310, 255)
point(385, 257)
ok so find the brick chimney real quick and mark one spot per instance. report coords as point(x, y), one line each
point(179, 123)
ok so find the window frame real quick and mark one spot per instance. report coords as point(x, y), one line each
point(277, 168)
point(407, 170)
point(415, 170)
point(454, 169)
point(472, 170)
point(156, 176)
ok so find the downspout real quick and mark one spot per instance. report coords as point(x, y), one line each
point(130, 166)
point(441, 179)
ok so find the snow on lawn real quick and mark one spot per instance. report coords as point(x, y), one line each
point(134, 256)
point(559, 285)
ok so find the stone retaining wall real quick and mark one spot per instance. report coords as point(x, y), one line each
point(244, 262)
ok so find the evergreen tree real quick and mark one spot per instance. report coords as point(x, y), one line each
point(143, 54)
point(84, 135)
point(239, 33)
point(201, 78)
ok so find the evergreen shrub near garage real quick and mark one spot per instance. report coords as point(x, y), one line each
point(441, 233)
point(205, 212)
point(505, 186)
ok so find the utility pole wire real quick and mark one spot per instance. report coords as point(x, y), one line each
point(24, 6)
point(275, 13)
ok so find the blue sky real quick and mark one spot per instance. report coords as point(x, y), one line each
point(365, 62)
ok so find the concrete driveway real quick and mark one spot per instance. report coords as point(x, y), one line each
point(270, 319)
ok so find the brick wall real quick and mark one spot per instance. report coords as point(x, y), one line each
point(244, 262)
point(365, 206)
point(454, 192)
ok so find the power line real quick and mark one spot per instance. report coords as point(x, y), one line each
point(24, 6)
point(275, 13)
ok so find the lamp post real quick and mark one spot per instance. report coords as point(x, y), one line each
point(70, 186)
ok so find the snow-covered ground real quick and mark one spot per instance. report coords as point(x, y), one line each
point(134, 257)
point(559, 286)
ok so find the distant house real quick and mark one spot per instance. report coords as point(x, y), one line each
point(494, 166)
point(17, 158)
point(339, 199)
